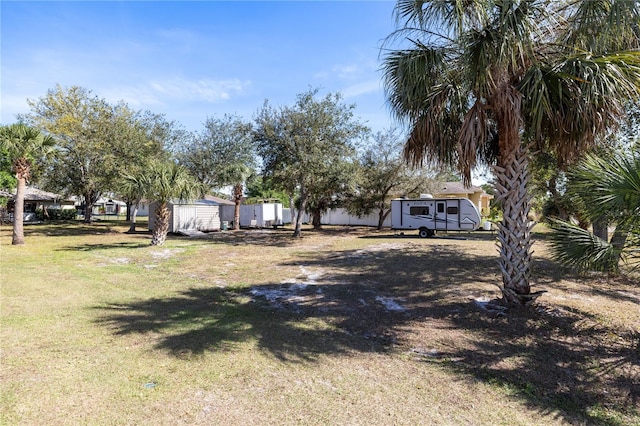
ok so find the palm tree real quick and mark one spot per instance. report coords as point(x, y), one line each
point(24, 144)
point(491, 81)
point(608, 186)
point(235, 174)
point(163, 181)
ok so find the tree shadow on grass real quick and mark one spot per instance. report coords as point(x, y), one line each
point(70, 229)
point(407, 300)
point(95, 247)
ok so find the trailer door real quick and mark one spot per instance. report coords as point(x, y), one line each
point(441, 215)
point(448, 214)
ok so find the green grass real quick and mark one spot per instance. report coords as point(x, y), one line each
point(98, 327)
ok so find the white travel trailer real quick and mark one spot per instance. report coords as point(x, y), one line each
point(429, 215)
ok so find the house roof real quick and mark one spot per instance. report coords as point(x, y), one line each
point(35, 194)
point(458, 188)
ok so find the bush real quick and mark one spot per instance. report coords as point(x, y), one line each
point(56, 214)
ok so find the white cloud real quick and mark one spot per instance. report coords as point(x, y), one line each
point(159, 92)
point(366, 87)
point(347, 72)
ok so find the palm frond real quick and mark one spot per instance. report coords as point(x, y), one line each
point(580, 249)
point(616, 21)
point(609, 185)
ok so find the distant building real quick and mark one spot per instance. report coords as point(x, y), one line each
point(35, 199)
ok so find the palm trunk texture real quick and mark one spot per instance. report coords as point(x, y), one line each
point(161, 229)
point(18, 211)
point(237, 199)
point(514, 233)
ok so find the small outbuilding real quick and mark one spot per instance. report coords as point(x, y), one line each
point(263, 215)
point(198, 215)
point(227, 208)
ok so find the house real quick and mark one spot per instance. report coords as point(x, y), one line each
point(476, 194)
point(109, 206)
point(36, 199)
point(199, 215)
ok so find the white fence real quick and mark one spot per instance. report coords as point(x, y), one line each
point(340, 216)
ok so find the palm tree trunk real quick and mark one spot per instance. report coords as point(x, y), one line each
point(600, 228)
point(237, 198)
point(514, 233)
point(18, 211)
point(618, 241)
point(161, 229)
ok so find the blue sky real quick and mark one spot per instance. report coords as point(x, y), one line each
point(193, 60)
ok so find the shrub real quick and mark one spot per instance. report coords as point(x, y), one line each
point(56, 214)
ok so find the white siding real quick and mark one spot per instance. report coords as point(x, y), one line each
point(201, 216)
point(261, 215)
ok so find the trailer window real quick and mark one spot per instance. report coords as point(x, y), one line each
point(452, 210)
point(419, 210)
point(440, 207)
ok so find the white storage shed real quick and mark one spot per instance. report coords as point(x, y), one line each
point(200, 215)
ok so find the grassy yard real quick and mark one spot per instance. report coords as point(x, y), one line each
point(345, 326)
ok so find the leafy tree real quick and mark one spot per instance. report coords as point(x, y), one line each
point(383, 175)
point(84, 127)
point(332, 187)
point(481, 82)
point(222, 155)
point(302, 145)
point(261, 188)
point(142, 137)
point(163, 181)
point(608, 186)
point(7, 178)
point(24, 145)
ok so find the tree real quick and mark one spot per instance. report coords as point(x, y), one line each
point(259, 188)
point(142, 137)
point(24, 145)
point(383, 174)
point(608, 186)
point(301, 145)
point(332, 187)
point(483, 82)
point(84, 127)
point(222, 155)
point(163, 181)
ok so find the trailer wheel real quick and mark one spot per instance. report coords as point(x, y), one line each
point(424, 233)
